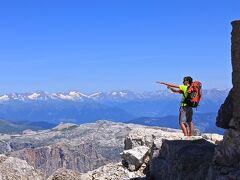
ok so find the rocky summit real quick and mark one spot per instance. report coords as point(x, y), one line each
point(105, 150)
point(80, 148)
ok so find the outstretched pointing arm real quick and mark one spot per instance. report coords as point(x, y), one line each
point(168, 84)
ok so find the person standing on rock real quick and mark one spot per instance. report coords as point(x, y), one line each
point(185, 111)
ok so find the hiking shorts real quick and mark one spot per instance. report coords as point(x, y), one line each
point(185, 114)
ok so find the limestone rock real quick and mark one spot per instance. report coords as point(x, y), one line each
point(65, 174)
point(63, 126)
point(215, 138)
point(113, 172)
point(15, 169)
point(145, 136)
point(82, 148)
point(135, 157)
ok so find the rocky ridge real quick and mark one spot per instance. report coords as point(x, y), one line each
point(154, 154)
point(64, 158)
point(81, 148)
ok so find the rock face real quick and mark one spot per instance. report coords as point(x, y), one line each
point(225, 113)
point(15, 169)
point(82, 148)
point(182, 159)
point(227, 155)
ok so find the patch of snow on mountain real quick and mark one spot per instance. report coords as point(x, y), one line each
point(4, 98)
point(95, 95)
point(122, 94)
point(83, 95)
point(74, 94)
point(34, 96)
point(77, 95)
point(114, 93)
point(66, 97)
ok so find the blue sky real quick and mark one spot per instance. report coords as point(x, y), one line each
point(111, 45)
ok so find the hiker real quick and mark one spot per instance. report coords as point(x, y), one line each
point(185, 112)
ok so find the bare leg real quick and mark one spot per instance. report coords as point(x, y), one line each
point(184, 128)
point(190, 128)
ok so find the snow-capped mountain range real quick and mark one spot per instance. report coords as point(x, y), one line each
point(103, 96)
point(123, 106)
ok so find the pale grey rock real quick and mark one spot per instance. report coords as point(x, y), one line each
point(68, 152)
point(173, 155)
point(137, 135)
point(16, 169)
point(215, 138)
point(65, 174)
point(82, 148)
point(114, 172)
point(145, 136)
point(63, 126)
point(29, 132)
point(135, 157)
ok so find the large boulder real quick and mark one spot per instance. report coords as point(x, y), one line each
point(135, 157)
point(182, 159)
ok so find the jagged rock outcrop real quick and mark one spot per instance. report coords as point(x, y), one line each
point(15, 169)
point(150, 152)
point(173, 156)
point(227, 154)
point(166, 156)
